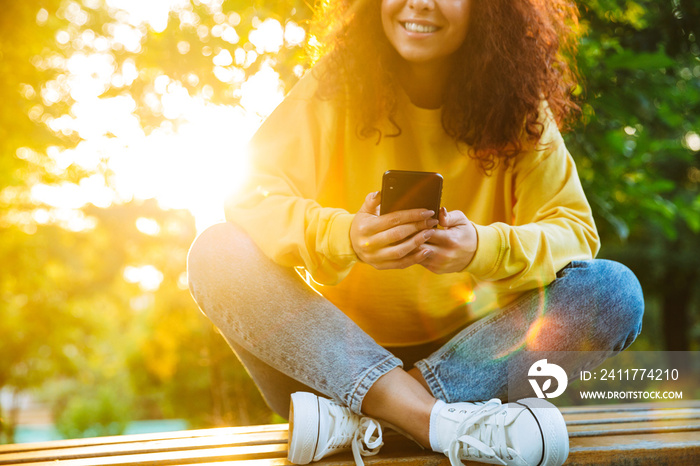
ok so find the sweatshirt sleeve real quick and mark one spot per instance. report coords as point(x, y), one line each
point(552, 223)
point(289, 154)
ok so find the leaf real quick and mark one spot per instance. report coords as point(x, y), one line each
point(621, 228)
point(691, 215)
point(693, 221)
point(662, 186)
point(639, 61)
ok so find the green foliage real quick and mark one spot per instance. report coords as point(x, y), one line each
point(20, 83)
point(69, 312)
point(636, 154)
point(96, 412)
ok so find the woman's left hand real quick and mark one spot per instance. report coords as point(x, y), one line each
point(453, 246)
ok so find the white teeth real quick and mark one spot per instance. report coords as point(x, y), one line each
point(413, 27)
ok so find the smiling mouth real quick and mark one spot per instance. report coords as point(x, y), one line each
point(414, 27)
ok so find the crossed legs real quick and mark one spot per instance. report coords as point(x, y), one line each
point(291, 339)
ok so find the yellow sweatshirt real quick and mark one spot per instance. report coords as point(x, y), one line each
point(311, 173)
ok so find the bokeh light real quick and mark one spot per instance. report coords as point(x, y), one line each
point(189, 165)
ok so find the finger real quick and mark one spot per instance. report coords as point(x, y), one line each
point(415, 258)
point(401, 232)
point(439, 238)
point(399, 251)
point(371, 204)
point(395, 219)
point(431, 257)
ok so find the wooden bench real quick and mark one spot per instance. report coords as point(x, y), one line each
point(661, 433)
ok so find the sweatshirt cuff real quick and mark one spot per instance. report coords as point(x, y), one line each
point(489, 251)
point(339, 244)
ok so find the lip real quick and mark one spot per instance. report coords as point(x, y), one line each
point(422, 22)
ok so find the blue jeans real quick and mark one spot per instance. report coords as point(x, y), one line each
point(290, 338)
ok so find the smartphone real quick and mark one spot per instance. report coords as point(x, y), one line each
point(403, 190)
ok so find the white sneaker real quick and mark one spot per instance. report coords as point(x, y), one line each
point(531, 432)
point(319, 427)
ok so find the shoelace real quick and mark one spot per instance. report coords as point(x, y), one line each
point(358, 434)
point(362, 442)
point(466, 446)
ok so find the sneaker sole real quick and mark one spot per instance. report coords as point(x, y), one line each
point(552, 424)
point(303, 427)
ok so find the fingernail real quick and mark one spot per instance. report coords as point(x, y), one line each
point(374, 196)
point(427, 252)
point(432, 222)
point(428, 233)
point(427, 214)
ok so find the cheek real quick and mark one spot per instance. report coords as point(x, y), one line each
point(389, 10)
point(391, 6)
point(460, 22)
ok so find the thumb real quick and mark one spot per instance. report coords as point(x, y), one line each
point(452, 218)
point(371, 204)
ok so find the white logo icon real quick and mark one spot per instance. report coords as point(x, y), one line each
point(542, 369)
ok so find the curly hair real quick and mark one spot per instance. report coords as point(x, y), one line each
point(516, 54)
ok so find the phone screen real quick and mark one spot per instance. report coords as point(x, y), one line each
point(403, 190)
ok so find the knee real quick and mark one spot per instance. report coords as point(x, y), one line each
point(211, 251)
point(209, 243)
point(619, 303)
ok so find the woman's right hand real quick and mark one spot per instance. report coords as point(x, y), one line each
point(393, 240)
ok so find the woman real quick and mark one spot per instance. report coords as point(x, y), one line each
point(412, 326)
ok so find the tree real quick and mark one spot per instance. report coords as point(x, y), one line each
point(639, 152)
point(76, 305)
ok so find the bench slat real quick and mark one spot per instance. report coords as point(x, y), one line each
point(637, 431)
point(624, 415)
point(262, 438)
point(117, 439)
point(616, 408)
point(675, 448)
point(178, 457)
point(651, 419)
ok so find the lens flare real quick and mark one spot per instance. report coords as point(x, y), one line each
point(533, 329)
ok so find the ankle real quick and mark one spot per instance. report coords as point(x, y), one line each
point(417, 426)
point(401, 401)
point(409, 418)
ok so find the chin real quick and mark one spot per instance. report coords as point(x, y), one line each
point(422, 59)
point(413, 57)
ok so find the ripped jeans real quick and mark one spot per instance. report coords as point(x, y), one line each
point(291, 339)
